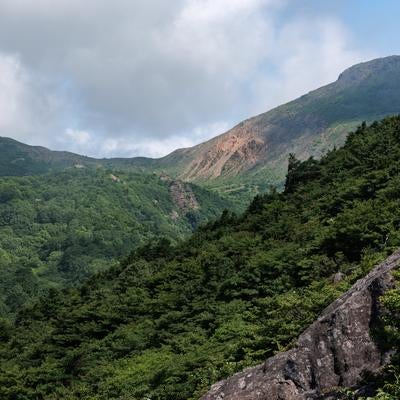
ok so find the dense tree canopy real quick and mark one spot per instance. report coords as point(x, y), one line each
point(172, 319)
point(59, 228)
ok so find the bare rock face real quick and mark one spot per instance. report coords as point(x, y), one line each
point(183, 197)
point(337, 350)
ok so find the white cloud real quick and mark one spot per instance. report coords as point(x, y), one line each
point(142, 77)
point(222, 39)
point(11, 90)
point(28, 105)
point(309, 54)
point(77, 136)
point(153, 147)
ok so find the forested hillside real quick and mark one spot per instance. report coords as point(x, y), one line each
point(171, 320)
point(59, 228)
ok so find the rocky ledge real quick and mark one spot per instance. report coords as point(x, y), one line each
point(336, 351)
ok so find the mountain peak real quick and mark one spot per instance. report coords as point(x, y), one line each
point(307, 126)
point(364, 70)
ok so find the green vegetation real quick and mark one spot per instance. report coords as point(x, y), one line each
point(171, 320)
point(59, 228)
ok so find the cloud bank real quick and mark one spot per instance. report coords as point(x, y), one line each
point(129, 77)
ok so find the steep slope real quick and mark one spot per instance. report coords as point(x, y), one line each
point(59, 228)
point(169, 322)
point(337, 350)
point(308, 126)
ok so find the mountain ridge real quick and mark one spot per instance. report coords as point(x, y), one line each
point(253, 155)
point(262, 139)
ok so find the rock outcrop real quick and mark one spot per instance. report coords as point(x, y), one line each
point(337, 350)
point(183, 197)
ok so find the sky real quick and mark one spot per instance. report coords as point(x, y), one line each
point(143, 77)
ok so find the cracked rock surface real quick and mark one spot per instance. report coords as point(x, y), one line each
point(337, 350)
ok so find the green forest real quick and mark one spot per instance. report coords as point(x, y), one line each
point(57, 229)
point(170, 319)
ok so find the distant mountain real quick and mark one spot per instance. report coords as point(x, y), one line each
point(18, 159)
point(252, 155)
point(309, 126)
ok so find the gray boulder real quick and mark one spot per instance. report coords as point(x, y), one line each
point(337, 350)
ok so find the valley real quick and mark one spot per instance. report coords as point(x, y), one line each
point(59, 228)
